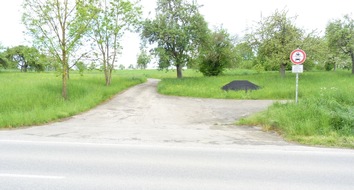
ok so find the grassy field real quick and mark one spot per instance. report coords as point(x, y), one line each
point(323, 116)
point(35, 98)
point(157, 74)
point(272, 85)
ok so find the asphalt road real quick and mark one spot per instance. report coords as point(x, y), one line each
point(28, 165)
point(143, 140)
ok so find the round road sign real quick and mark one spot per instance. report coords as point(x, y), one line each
point(298, 56)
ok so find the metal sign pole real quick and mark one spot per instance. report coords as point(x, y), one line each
point(297, 88)
point(297, 57)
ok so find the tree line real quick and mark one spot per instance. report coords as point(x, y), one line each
point(81, 34)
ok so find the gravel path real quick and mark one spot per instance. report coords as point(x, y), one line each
point(142, 116)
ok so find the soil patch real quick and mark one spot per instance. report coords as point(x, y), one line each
point(240, 85)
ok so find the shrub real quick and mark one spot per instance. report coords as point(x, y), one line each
point(216, 53)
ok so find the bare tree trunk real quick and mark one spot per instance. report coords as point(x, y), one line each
point(110, 75)
point(65, 80)
point(282, 70)
point(179, 71)
point(64, 57)
point(68, 72)
point(106, 76)
point(25, 66)
point(105, 67)
point(352, 56)
point(65, 69)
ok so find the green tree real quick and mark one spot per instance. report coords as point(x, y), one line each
point(340, 36)
point(81, 67)
point(143, 60)
point(216, 54)
point(92, 66)
point(317, 51)
point(113, 19)
point(131, 67)
point(58, 26)
point(3, 60)
point(52, 64)
point(121, 67)
point(177, 30)
point(243, 56)
point(273, 39)
point(26, 58)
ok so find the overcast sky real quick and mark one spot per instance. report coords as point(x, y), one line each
point(234, 15)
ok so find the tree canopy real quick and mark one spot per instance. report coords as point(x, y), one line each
point(340, 36)
point(178, 34)
point(143, 59)
point(26, 58)
point(3, 61)
point(57, 27)
point(273, 39)
point(113, 18)
point(177, 30)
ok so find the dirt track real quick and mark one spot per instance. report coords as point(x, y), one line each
point(142, 116)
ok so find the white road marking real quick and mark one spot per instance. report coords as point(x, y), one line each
point(30, 176)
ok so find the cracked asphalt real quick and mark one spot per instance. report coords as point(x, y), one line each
point(140, 115)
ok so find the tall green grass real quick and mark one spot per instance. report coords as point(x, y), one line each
point(35, 98)
point(325, 118)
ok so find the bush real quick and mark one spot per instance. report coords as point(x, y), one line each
point(216, 54)
point(259, 68)
point(211, 68)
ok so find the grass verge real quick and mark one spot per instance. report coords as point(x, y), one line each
point(35, 98)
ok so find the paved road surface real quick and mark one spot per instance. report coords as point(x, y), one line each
point(50, 165)
point(143, 140)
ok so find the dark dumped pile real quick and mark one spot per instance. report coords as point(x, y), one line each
point(240, 85)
